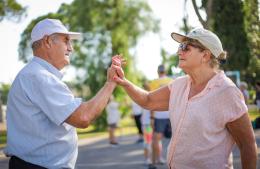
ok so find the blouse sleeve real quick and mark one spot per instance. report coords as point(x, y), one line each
point(233, 104)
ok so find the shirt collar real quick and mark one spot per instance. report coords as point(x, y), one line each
point(48, 66)
point(215, 81)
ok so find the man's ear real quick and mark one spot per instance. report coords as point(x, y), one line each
point(46, 41)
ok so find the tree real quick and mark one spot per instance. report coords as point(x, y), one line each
point(186, 27)
point(12, 10)
point(4, 89)
point(234, 25)
point(207, 5)
point(169, 61)
point(110, 27)
point(252, 25)
point(229, 26)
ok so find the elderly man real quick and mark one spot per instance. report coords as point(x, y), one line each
point(42, 112)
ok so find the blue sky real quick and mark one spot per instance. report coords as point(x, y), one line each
point(170, 13)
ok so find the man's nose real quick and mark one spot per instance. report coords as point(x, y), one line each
point(70, 47)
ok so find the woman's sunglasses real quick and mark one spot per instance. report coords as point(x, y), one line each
point(184, 46)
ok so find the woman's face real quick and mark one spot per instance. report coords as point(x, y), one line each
point(190, 56)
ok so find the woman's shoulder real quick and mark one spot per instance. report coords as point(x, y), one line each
point(181, 79)
point(179, 82)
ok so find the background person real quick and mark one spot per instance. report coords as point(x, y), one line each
point(113, 117)
point(161, 118)
point(137, 114)
point(148, 135)
point(42, 112)
point(207, 111)
point(147, 132)
point(243, 88)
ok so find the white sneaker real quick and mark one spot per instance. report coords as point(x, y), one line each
point(161, 160)
point(148, 161)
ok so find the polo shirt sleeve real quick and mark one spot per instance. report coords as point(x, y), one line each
point(52, 96)
point(233, 104)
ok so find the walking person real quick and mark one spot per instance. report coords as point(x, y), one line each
point(160, 118)
point(207, 111)
point(148, 135)
point(113, 117)
point(243, 88)
point(42, 112)
point(137, 114)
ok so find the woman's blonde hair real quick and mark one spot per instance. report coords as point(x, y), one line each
point(215, 62)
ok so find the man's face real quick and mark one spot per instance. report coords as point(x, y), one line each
point(60, 50)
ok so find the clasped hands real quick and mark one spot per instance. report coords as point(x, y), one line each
point(115, 71)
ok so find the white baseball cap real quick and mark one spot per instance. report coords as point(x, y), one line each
point(51, 26)
point(205, 37)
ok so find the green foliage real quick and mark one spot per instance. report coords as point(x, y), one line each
point(4, 90)
point(252, 24)
point(169, 61)
point(229, 26)
point(11, 10)
point(109, 27)
point(237, 24)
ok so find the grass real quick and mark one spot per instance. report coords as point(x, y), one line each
point(2, 138)
point(126, 128)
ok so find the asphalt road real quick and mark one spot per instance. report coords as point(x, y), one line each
point(96, 153)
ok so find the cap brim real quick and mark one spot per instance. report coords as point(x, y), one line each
point(178, 37)
point(74, 35)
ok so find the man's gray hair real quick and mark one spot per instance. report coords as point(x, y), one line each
point(36, 45)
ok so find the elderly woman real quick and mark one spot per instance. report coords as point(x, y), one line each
point(207, 111)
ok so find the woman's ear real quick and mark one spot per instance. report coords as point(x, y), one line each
point(206, 56)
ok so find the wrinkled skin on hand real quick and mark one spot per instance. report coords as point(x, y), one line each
point(117, 63)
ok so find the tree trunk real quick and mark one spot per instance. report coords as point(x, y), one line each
point(207, 24)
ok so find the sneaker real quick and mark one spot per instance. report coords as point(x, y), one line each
point(148, 161)
point(140, 140)
point(161, 160)
point(151, 166)
point(114, 144)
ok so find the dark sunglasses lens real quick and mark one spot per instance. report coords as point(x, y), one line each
point(183, 47)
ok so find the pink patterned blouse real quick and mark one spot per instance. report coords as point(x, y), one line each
point(200, 137)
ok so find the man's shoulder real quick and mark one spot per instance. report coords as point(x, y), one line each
point(33, 72)
point(31, 68)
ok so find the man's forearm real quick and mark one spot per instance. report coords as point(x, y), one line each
point(94, 107)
